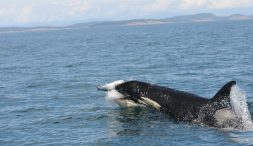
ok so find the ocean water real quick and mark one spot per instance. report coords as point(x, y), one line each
point(48, 82)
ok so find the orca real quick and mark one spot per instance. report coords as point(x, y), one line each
point(179, 105)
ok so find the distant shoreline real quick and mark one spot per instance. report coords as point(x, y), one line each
point(196, 18)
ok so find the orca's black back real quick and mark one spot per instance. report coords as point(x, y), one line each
point(178, 104)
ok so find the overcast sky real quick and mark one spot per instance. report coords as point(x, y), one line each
point(63, 12)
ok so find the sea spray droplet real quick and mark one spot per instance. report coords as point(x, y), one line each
point(238, 101)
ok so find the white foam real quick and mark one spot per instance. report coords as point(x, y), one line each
point(113, 94)
point(112, 85)
point(239, 104)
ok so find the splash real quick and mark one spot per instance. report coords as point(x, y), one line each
point(113, 95)
point(239, 104)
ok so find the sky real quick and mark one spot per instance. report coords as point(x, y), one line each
point(65, 12)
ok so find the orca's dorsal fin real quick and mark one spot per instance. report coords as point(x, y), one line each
point(224, 92)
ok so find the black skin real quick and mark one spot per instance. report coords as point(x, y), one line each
point(180, 105)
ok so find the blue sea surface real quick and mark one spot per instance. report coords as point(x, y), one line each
point(48, 82)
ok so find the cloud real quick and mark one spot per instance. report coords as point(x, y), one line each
point(223, 4)
point(73, 7)
point(214, 4)
point(158, 5)
point(191, 4)
point(25, 14)
point(6, 11)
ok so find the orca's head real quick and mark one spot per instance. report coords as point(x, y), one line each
point(129, 88)
point(120, 91)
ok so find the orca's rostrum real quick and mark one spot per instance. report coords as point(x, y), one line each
point(182, 106)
